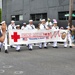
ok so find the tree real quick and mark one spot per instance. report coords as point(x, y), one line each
point(0, 14)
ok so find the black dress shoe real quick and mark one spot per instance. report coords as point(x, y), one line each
point(18, 50)
point(45, 47)
point(40, 47)
point(65, 47)
point(27, 45)
point(0, 49)
point(55, 47)
point(30, 49)
point(70, 46)
point(6, 51)
point(11, 46)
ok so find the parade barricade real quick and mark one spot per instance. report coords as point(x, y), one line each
point(36, 36)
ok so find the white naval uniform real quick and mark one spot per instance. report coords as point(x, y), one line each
point(11, 27)
point(43, 27)
point(69, 39)
point(49, 24)
point(30, 27)
point(18, 45)
point(55, 42)
point(23, 28)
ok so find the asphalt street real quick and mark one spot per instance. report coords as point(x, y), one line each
point(60, 61)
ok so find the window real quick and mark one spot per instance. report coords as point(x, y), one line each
point(13, 18)
point(37, 17)
point(32, 16)
point(20, 17)
point(44, 16)
point(61, 15)
point(17, 17)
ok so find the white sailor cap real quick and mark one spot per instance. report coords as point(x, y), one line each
point(30, 20)
point(24, 23)
point(61, 27)
point(54, 21)
point(49, 19)
point(17, 25)
point(12, 21)
point(43, 20)
point(2, 22)
point(40, 19)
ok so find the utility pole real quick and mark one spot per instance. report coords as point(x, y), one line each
point(70, 12)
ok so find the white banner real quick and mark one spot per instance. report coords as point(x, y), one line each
point(36, 36)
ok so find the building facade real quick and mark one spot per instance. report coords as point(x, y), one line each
point(23, 10)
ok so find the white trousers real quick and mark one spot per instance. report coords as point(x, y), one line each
point(68, 39)
point(54, 43)
point(45, 45)
point(18, 47)
point(30, 46)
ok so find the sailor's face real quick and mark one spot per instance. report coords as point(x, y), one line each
point(12, 23)
point(55, 24)
point(24, 25)
point(31, 23)
point(43, 22)
point(4, 24)
point(17, 27)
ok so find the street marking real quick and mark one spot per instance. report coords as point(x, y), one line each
point(2, 71)
point(7, 66)
point(18, 72)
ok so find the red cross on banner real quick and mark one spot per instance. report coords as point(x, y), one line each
point(15, 37)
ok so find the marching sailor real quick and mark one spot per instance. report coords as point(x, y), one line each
point(63, 37)
point(69, 37)
point(30, 26)
point(43, 26)
point(40, 22)
point(49, 23)
point(12, 26)
point(18, 46)
point(24, 26)
point(55, 27)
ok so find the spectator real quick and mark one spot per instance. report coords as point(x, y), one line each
point(73, 32)
point(2, 35)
